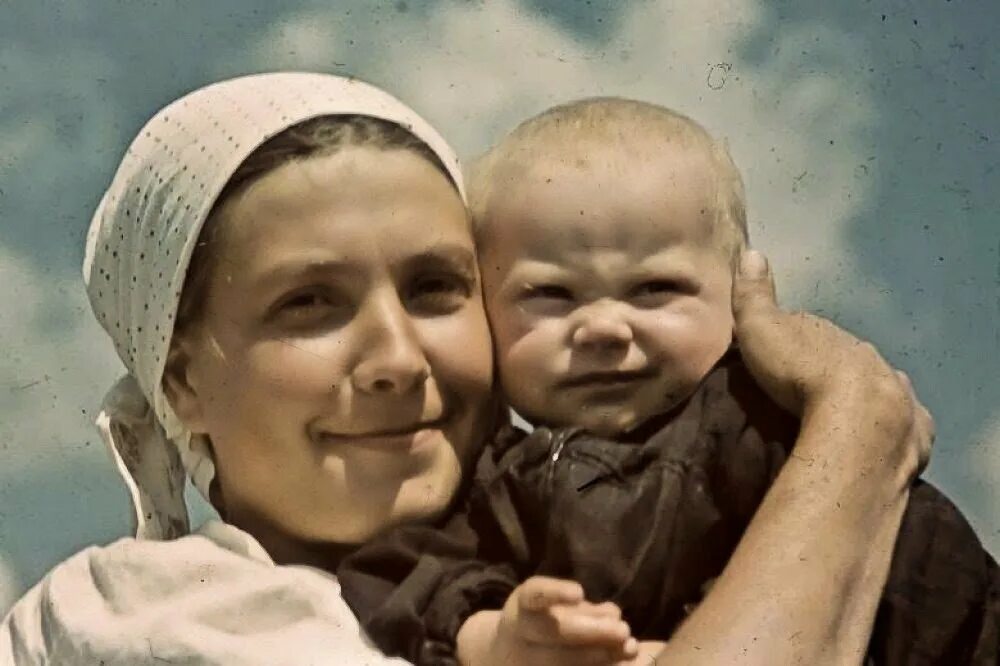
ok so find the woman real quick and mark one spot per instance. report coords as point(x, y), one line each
point(317, 360)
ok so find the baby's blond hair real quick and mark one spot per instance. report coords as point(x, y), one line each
point(609, 121)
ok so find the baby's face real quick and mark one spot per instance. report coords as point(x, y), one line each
point(607, 292)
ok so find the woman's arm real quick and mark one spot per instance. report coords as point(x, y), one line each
point(804, 583)
point(207, 598)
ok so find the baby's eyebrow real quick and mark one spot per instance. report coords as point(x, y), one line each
point(540, 266)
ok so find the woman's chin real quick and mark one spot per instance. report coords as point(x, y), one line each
point(425, 497)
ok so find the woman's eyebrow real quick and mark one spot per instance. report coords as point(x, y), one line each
point(445, 255)
point(296, 267)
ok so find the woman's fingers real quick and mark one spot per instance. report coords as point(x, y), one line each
point(769, 339)
point(801, 360)
point(753, 290)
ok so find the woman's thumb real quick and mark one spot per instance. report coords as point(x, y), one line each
point(753, 287)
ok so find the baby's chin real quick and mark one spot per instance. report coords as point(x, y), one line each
point(607, 420)
point(602, 421)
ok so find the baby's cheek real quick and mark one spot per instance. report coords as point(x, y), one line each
point(525, 377)
point(689, 342)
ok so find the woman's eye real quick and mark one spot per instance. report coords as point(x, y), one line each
point(303, 302)
point(305, 308)
point(548, 291)
point(439, 294)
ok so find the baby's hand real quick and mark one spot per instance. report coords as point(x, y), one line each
point(547, 621)
point(647, 654)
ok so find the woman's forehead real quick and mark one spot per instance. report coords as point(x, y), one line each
point(351, 208)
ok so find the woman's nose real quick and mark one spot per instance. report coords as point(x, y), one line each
point(392, 360)
point(602, 328)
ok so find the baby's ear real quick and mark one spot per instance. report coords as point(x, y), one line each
point(180, 391)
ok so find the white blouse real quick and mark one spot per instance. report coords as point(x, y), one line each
point(214, 597)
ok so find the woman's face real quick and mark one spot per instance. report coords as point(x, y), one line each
point(343, 367)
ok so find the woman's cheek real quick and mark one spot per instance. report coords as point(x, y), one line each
point(461, 345)
point(302, 366)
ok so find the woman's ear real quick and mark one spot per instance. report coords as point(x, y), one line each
point(180, 391)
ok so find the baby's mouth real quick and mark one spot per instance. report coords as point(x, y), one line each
point(607, 379)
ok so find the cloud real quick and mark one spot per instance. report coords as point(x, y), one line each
point(58, 491)
point(798, 116)
point(797, 105)
point(475, 69)
point(55, 367)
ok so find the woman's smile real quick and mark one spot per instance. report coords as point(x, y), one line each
point(394, 325)
point(412, 439)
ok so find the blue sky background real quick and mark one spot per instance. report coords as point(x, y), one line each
point(867, 132)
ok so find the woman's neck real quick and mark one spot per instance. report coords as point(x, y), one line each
point(287, 549)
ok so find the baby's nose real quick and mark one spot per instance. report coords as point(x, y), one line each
point(602, 331)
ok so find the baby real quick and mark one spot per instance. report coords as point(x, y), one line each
point(608, 233)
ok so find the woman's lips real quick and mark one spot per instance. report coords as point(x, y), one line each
point(407, 439)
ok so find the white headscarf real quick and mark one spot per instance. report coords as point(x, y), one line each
point(140, 243)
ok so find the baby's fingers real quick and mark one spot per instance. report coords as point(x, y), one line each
point(604, 609)
point(546, 655)
point(540, 592)
point(568, 626)
point(645, 654)
point(553, 612)
point(577, 626)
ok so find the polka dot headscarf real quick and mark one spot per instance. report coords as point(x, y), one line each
point(141, 239)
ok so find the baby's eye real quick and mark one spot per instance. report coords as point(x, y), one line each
point(548, 291)
point(546, 300)
point(655, 292)
point(438, 293)
point(656, 287)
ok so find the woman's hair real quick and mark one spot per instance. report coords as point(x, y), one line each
point(313, 138)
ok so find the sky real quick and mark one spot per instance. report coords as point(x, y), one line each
point(867, 133)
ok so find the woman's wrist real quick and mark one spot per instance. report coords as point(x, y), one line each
point(878, 415)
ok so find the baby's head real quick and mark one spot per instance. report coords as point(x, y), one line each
point(608, 231)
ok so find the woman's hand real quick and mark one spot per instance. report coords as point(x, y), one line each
point(547, 621)
point(805, 363)
point(803, 584)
